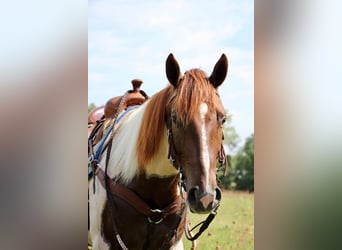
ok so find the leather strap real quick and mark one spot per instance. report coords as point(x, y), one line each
point(172, 153)
point(135, 201)
point(203, 224)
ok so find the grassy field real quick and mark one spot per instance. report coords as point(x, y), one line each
point(233, 226)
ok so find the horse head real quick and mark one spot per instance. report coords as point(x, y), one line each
point(195, 116)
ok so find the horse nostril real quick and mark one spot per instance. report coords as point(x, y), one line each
point(218, 195)
point(203, 202)
point(192, 194)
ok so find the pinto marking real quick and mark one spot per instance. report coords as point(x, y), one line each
point(140, 148)
point(204, 145)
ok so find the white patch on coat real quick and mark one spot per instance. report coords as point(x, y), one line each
point(123, 159)
point(204, 145)
point(122, 162)
point(96, 205)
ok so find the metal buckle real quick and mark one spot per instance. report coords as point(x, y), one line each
point(155, 211)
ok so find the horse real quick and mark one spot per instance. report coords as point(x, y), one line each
point(159, 162)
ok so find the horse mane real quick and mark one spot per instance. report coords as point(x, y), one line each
point(183, 100)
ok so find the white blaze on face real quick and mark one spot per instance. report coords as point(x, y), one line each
point(205, 150)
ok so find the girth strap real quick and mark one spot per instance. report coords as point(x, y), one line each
point(154, 216)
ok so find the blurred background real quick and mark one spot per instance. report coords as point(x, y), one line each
point(44, 94)
point(297, 125)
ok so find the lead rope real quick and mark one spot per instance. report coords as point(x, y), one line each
point(204, 224)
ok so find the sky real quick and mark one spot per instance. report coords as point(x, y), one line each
point(132, 39)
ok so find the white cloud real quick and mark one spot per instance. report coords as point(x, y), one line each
point(133, 39)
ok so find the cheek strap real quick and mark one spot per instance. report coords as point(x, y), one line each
point(222, 158)
point(172, 154)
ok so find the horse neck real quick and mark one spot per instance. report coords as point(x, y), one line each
point(160, 165)
point(158, 182)
point(123, 162)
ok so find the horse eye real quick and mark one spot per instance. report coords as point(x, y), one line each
point(223, 121)
point(177, 122)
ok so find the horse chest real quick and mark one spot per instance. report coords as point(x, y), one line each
point(135, 230)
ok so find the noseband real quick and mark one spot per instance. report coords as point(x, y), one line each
point(173, 157)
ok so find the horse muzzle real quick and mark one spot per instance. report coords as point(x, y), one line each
point(203, 202)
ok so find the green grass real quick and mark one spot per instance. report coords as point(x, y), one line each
point(233, 226)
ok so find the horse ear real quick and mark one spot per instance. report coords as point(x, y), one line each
point(172, 70)
point(220, 71)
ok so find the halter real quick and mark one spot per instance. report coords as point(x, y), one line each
point(173, 157)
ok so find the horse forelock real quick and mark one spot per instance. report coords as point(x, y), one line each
point(193, 90)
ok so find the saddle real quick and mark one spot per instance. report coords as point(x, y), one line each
point(97, 118)
point(100, 116)
point(134, 97)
